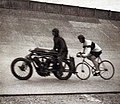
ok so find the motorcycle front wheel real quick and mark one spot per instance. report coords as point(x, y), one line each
point(65, 74)
point(21, 68)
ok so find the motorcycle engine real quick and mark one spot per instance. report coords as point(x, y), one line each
point(43, 73)
point(42, 68)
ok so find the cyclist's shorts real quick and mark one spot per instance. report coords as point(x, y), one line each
point(96, 54)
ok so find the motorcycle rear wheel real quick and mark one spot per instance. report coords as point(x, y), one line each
point(65, 74)
point(21, 69)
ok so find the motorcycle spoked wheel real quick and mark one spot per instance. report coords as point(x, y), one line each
point(65, 74)
point(21, 68)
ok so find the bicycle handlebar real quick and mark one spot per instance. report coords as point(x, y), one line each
point(79, 54)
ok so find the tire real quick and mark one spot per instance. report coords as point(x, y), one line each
point(22, 72)
point(107, 69)
point(66, 74)
point(83, 71)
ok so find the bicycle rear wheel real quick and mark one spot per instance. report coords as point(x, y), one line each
point(107, 69)
point(83, 71)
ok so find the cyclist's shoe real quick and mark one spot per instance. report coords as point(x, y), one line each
point(97, 73)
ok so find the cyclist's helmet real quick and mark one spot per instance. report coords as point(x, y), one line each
point(55, 32)
point(81, 38)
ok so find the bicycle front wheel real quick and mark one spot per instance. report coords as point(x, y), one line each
point(107, 69)
point(83, 71)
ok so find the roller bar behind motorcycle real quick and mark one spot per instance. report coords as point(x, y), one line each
point(45, 62)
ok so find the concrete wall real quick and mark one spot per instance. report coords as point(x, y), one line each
point(60, 9)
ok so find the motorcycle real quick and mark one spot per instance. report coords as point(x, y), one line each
point(44, 61)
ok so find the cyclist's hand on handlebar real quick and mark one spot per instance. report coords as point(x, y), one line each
point(79, 54)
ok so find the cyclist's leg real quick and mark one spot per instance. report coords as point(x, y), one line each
point(93, 56)
point(93, 59)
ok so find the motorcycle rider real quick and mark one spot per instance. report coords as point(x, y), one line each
point(90, 50)
point(59, 46)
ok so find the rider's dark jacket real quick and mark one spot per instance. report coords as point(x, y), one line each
point(60, 46)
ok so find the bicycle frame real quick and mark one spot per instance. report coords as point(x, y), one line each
point(87, 63)
point(93, 67)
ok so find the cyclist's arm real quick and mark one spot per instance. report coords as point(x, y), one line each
point(86, 51)
point(87, 48)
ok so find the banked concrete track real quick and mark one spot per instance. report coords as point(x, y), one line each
point(22, 30)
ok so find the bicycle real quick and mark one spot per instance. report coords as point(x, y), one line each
point(84, 69)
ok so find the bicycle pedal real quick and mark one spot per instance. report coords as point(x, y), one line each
point(74, 72)
point(96, 74)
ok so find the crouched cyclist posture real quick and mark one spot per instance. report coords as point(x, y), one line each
point(91, 50)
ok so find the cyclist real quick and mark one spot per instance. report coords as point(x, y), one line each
point(91, 50)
